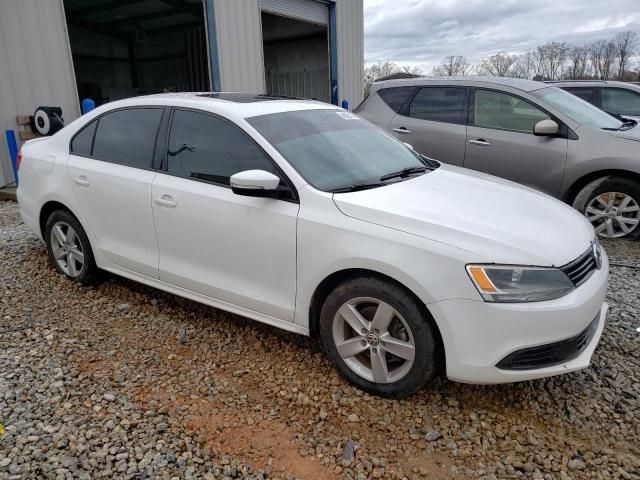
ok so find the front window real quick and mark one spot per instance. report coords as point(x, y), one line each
point(620, 102)
point(505, 112)
point(335, 149)
point(578, 110)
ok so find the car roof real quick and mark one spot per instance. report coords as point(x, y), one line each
point(232, 104)
point(516, 83)
point(592, 83)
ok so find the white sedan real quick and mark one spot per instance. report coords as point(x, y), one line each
point(306, 217)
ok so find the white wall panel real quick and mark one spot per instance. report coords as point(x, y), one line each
point(350, 46)
point(239, 36)
point(35, 66)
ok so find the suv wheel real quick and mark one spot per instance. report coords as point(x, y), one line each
point(378, 337)
point(612, 205)
point(69, 249)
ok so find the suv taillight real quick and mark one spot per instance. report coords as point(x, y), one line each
point(18, 160)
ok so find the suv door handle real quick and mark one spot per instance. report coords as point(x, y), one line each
point(402, 130)
point(82, 181)
point(481, 142)
point(166, 201)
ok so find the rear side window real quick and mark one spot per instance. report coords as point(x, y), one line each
point(620, 102)
point(396, 97)
point(587, 94)
point(205, 147)
point(439, 104)
point(82, 142)
point(127, 136)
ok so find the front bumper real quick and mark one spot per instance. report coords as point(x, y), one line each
point(478, 335)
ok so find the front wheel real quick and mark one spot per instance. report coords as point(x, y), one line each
point(612, 205)
point(379, 337)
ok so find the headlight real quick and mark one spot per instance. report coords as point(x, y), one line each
point(512, 283)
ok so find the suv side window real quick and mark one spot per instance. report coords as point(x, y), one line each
point(396, 97)
point(82, 141)
point(620, 102)
point(439, 104)
point(505, 112)
point(205, 147)
point(127, 136)
point(587, 94)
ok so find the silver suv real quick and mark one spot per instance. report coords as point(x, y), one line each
point(529, 132)
point(621, 99)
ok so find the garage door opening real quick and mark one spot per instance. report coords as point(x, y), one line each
point(123, 49)
point(296, 57)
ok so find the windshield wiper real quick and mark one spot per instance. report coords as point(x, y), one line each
point(356, 187)
point(405, 172)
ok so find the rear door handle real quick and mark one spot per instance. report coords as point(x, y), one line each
point(82, 181)
point(402, 130)
point(166, 201)
point(481, 142)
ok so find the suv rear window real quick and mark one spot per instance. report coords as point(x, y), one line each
point(585, 93)
point(439, 104)
point(396, 97)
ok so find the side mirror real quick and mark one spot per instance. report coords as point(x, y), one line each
point(255, 183)
point(546, 128)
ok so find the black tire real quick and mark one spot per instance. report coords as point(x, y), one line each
point(88, 273)
point(609, 183)
point(416, 319)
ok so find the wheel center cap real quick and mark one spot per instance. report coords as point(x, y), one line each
point(372, 339)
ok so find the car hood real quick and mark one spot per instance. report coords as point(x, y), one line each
point(496, 220)
point(631, 134)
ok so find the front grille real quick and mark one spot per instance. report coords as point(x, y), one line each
point(581, 268)
point(550, 354)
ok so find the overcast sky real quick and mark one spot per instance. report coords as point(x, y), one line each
point(421, 32)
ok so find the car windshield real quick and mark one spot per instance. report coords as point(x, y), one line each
point(335, 150)
point(577, 109)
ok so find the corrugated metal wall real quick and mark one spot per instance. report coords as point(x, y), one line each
point(350, 43)
point(240, 49)
point(239, 35)
point(35, 66)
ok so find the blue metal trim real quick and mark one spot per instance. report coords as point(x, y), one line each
point(333, 53)
point(13, 151)
point(214, 64)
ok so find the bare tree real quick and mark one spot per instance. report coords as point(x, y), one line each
point(452, 66)
point(552, 57)
point(625, 43)
point(498, 65)
point(525, 66)
point(578, 63)
point(602, 54)
point(383, 69)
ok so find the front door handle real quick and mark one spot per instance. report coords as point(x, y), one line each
point(82, 181)
point(481, 142)
point(166, 201)
point(401, 130)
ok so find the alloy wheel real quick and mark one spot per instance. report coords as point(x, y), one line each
point(67, 249)
point(613, 214)
point(373, 340)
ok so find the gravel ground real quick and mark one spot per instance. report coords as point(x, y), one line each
point(124, 381)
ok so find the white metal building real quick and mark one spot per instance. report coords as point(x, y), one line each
point(57, 52)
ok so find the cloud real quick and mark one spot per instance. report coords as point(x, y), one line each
point(421, 32)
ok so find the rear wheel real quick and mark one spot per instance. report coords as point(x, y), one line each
point(612, 205)
point(379, 337)
point(69, 249)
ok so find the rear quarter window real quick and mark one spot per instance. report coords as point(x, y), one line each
point(396, 97)
point(82, 142)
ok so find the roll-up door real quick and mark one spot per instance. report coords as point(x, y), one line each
point(307, 10)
